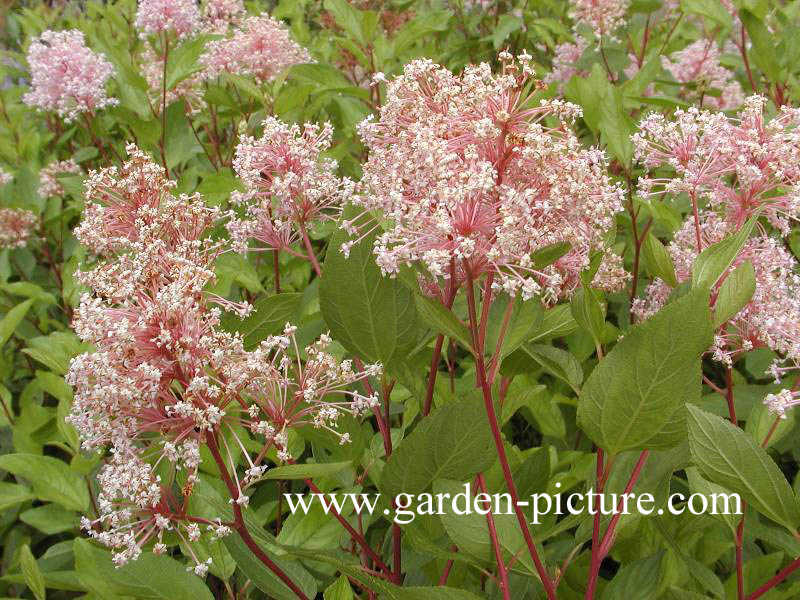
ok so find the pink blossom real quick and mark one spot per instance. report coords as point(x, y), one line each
point(16, 227)
point(601, 16)
point(154, 17)
point(698, 64)
point(466, 169)
point(289, 185)
point(49, 185)
point(565, 62)
point(771, 318)
point(219, 15)
point(66, 76)
point(262, 48)
point(741, 165)
point(163, 377)
point(5, 177)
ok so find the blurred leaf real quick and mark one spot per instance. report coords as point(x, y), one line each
point(30, 571)
point(51, 479)
point(12, 319)
point(763, 48)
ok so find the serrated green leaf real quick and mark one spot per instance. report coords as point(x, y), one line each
point(373, 316)
point(727, 456)
point(711, 264)
point(635, 398)
point(453, 442)
point(734, 293)
point(658, 260)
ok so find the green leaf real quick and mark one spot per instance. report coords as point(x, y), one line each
point(638, 579)
point(761, 420)
point(28, 290)
point(524, 320)
point(556, 322)
point(534, 473)
point(546, 256)
point(471, 534)
point(339, 590)
point(436, 316)
point(13, 318)
point(764, 45)
point(149, 577)
point(589, 312)
point(55, 350)
point(635, 398)
point(454, 442)
point(306, 471)
point(710, 9)
point(559, 363)
point(183, 60)
point(506, 25)
point(658, 260)
point(711, 264)
point(270, 315)
point(348, 18)
point(51, 479)
point(372, 316)
point(31, 572)
point(50, 519)
point(263, 578)
point(734, 293)
point(727, 456)
point(616, 126)
point(12, 494)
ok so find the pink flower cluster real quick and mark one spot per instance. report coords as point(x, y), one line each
point(5, 177)
point(289, 185)
point(565, 62)
point(472, 178)
point(164, 378)
point(49, 185)
point(698, 65)
point(771, 318)
point(178, 17)
point(16, 227)
point(261, 48)
point(66, 76)
point(601, 16)
point(740, 165)
point(219, 15)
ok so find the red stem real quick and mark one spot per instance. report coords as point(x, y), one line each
point(608, 538)
point(239, 524)
point(498, 442)
point(310, 249)
point(794, 565)
point(447, 567)
point(502, 571)
point(437, 349)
